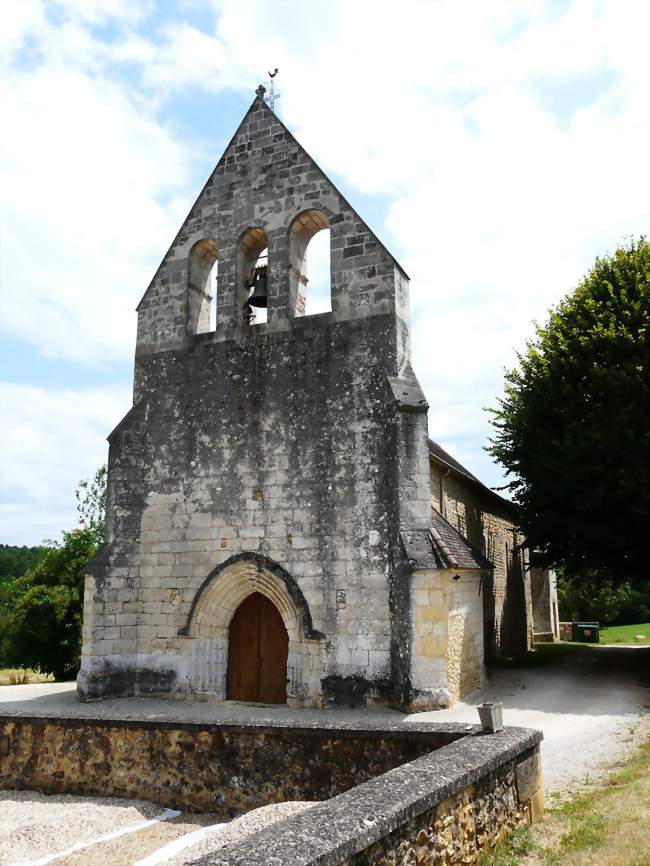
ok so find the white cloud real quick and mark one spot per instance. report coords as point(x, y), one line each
point(50, 439)
point(27, 17)
point(101, 11)
point(89, 188)
point(497, 204)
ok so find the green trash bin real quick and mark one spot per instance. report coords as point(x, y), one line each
point(586, 632)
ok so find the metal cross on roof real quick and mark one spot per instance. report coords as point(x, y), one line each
point(273, 93)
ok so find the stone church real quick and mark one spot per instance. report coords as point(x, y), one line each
point(280, 528)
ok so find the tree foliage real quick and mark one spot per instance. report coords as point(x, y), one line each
point(42, 629)
point(91, 504)
point(15, 561)
point(572, 430)
point(581, 598)
point(41, 612)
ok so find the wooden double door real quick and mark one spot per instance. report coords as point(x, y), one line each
point(258, 646)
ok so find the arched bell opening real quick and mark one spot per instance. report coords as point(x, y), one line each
point(309, 263)
point(203, 274)
point(258, 649)
point(253, 277)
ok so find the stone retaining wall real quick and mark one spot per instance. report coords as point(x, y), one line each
point(443, 809)
point(393, 794)
point(227, 769)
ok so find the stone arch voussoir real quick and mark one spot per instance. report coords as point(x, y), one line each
point(230, 583)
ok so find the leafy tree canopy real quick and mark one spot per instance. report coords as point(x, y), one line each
point(573, 428)
point(605, 602)
point(15, 561)
point(91, 504)
point(42, 628)
point(41, 612)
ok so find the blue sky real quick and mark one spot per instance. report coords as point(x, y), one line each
point(495, 148)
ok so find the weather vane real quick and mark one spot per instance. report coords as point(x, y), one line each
point(273, 93)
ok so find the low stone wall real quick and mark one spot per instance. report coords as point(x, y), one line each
point(394, 794)
point(222, 768)
point(443, 809)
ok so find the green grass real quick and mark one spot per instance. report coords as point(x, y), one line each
point(547, 653)
point(542, 654)
point(626, 634)
point(509, 852)
point(608, 825)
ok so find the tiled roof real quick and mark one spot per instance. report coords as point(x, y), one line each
point(453, 548)
point(440, 547)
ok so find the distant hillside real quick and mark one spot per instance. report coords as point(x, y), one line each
point(15, 561)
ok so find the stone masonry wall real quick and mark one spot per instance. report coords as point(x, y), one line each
point(278, 446)
point(391, 796)
point(490, 528)
point(203, 768)
point(447, 637)
point(301, 441)
point(543, 588)
point(446, 808)
point(456, 831)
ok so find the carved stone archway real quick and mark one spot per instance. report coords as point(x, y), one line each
point(214, 605)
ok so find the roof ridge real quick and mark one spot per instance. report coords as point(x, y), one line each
point(444, 551)
point(472, 548)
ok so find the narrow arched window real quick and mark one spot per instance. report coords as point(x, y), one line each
point(202, 287)
point(309, 263)
point(254, 276)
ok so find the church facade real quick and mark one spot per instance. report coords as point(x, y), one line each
point(279, 526)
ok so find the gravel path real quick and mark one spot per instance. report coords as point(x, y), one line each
point(60, 699)
point(238, 829)
point(591, 706)
point(33, 825)
point(130, 848)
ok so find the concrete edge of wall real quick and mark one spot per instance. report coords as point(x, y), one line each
point(354, 728)
point(335, 832)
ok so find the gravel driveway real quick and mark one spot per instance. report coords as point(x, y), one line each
point(591, 705)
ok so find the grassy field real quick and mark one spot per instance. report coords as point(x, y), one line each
point(626, 633)
point(20, 676)
point(607, 826)
point(542, 654)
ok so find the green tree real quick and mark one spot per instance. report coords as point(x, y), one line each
point(15, 561)
point(582, 598)
point(41, 612)
point(91, 504)
point(573, 428)
point(43, 628)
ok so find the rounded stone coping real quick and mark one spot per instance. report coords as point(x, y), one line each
point(334, 830)
point(356, 728)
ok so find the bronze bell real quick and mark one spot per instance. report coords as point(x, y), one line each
point(259, 283)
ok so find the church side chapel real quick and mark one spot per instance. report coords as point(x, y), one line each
point(280, 529)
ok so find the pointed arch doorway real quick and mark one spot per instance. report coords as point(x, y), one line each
point(258, 647)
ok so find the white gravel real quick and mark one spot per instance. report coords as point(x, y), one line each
point(33, 825)
point(238, 829)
